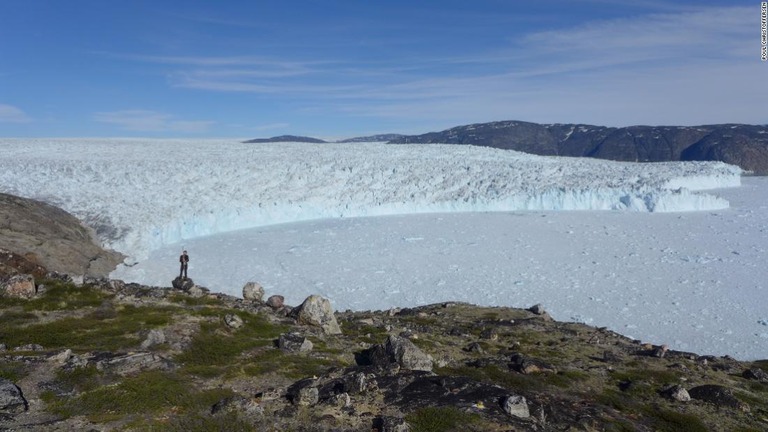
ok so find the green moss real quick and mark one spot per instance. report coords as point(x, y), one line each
point(294, 366)
point(13, 318)
point(671, 421)
point(440, 419)
point(13, 370)
point(217, 345)
point(201, 423)
point(82, 379)
point(93, 332)
point(148, 392)
point(66, 296)
point(195, 301)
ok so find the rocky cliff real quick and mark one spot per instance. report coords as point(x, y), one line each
point(52, 238)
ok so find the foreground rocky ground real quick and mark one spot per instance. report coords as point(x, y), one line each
point(110, 356)
point(94, 354)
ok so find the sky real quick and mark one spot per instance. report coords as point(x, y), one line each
point(338, 69)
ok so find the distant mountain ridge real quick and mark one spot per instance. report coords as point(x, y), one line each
point(286, 138)
point(738, 144)
point(374, 138)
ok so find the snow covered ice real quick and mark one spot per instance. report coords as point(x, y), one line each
point(651, 253)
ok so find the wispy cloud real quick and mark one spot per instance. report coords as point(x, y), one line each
point(12, 114)
point(151, 121)
point(654, 68)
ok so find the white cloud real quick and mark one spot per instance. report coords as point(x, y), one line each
point(151, 121)
point(11, 114)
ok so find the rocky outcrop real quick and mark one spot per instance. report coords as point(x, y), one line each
point(52, 238)
point(742, 145)
point(11, 399)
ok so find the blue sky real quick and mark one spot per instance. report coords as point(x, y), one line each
point(336, 69)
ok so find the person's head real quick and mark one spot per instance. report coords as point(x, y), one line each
point(185, 252)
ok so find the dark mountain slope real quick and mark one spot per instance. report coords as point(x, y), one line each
point(742, 145)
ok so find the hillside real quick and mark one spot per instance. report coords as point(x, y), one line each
point(742, 145)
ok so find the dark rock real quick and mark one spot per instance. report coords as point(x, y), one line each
point(474, 347)
point(304, 393)
point(490, 334)
point(184, 284)
point(294, 343)
point(537, 309)
point(756, 374)
point(11, 398)
point(276, 301)
point(530, 366)
point(718, 395)
point(390, 424)
point(404, 353)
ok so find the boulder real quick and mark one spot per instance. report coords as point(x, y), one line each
point(294, 343)
point(11, 398)
point(252, 291)
point(676, 393)
point(390, 424)
point(717, 395)
point(304, 393)
point(276, 301)
point(516, 406)
point(198, 291)
point(530, 366)
point(183, 284)
point(317, 311)
point(403, 352)
point(537, 309)
point(233, 321)
point(756, 374)
point(19, 286)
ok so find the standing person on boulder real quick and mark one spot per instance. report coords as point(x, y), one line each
point(184, 261)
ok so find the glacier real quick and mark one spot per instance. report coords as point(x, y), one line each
point(667, 252)
point(142, 194)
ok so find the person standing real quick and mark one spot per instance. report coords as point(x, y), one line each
point(184, 261)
